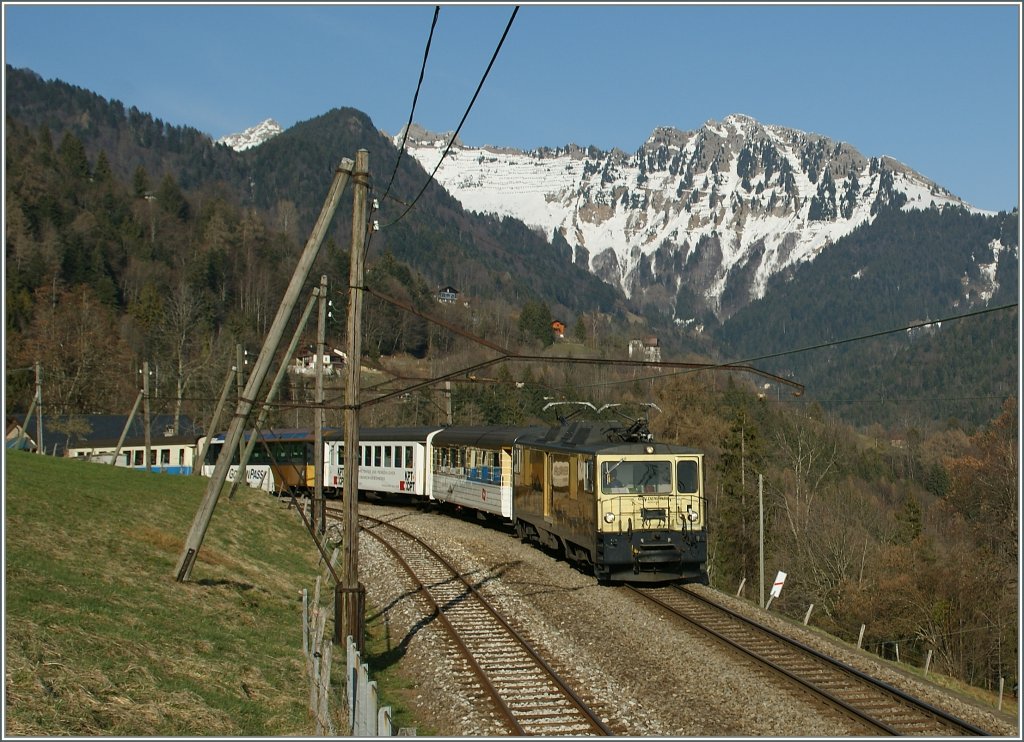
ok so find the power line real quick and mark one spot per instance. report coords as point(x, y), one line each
point(415, 97)
point(464, 117)
point(830, 344)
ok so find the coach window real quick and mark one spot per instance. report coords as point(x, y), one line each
point(181, 457)
point(387, 456)
point(138, 458)
point(398, 457)
point(165, 456)
point(408, 457)
point(376, 455)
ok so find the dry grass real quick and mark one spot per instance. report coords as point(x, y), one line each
point(102, 640)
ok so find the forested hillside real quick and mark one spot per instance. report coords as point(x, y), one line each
point(117, 220)
point(904, 269)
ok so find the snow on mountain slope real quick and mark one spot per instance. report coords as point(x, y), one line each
point(717, 211)
point(253, 136)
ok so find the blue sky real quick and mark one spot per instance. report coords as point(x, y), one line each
point(935, 86)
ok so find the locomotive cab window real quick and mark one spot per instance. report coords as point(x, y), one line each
point(636, 477)
point(687, 476)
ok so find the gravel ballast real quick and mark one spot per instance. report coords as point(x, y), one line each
point(648, 675)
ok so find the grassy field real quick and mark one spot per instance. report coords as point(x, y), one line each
point(100, 638)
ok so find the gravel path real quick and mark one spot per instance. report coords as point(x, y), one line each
point(648, 676)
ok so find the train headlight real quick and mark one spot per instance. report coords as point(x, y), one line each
point(609, 517)
point(692, 515)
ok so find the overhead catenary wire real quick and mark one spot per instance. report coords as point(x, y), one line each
point(415, 97)
point(455, 134)
point(829, 344)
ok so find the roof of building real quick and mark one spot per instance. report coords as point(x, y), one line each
point(61, 432)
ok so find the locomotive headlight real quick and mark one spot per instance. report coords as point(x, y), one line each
point(609, 517)
point(691, 514)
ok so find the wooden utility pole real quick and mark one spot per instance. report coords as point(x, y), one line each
point(211, 429)
point(760, 539)
point(319, 506)
point(127, 426)
point(448, 401)
point(146, 422)
point(36, 406)
point(352, 599)
point(239, 386)
point(201, 522)
point(39, 409)
point(272, 394)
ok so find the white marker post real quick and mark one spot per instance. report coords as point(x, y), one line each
point(776, 590)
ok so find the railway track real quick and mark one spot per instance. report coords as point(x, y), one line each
point(526, 691)
point(882, 708)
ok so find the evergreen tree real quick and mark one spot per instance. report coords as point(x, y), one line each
point(535, 322)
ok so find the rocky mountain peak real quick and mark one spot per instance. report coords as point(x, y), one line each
point(698, 220)
point(253, 136)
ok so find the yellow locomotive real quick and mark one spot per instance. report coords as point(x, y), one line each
point(607, 496)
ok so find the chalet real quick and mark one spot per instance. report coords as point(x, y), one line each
point(304, 364)
point(645, 349)
point(448, 295)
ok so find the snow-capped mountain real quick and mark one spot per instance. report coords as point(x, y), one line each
point(710, 214)
point(253, 136)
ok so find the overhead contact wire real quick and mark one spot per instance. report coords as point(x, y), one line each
point(464, 117)
point(415, 98)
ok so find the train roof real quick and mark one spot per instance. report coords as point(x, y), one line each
point(415, 434)
point(278, 435)
point(485, 436)
point(598, 436)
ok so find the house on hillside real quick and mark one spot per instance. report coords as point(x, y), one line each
point(448, 295)
point(645, 349)
point(304, 363)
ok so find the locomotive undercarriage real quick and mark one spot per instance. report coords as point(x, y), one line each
point(636, 556)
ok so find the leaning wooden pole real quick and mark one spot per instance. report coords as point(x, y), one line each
point(201, 522)
point(351, 603)
point(319, 506)
point(39, 409)
point(147, 422)
point(282, 371)
point(211, 429)
point(127, 426)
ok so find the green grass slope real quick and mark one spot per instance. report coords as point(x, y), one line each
point(100, 639)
